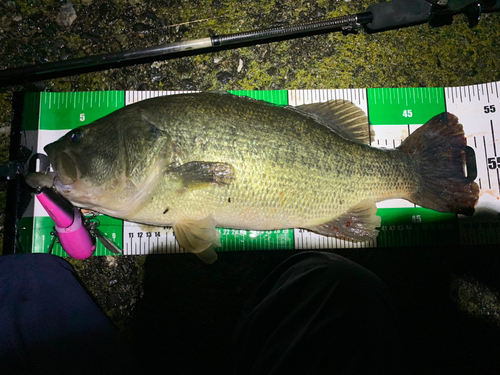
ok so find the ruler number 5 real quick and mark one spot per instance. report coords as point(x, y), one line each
point(489, 108)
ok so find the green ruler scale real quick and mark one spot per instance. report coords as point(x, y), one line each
point(393, 114)
point(401, 106)
point(48, 116)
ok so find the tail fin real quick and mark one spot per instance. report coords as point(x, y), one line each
point(442, 156)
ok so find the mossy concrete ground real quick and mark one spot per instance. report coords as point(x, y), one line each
point(193, 305)
point(415, 56)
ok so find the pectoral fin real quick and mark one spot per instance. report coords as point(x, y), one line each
point(209, 256)
point(357, 224)
point(198, 173)
point(198, 237)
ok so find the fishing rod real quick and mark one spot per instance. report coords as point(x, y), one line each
point(378, 17)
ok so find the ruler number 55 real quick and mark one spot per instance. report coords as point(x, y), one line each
point(494, 163)
point(489, 109)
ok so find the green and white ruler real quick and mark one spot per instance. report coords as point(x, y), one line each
point(393, 114)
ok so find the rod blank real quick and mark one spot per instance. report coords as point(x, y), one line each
point(93, 63)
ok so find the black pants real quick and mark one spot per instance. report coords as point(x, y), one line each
point(316, 313)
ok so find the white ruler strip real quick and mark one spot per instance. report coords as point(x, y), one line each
point(136, 96)
point(356, 96)
point(304, 239)
point(142, 241)
point(478, 109)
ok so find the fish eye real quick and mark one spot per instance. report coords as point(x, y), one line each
point(76, 136)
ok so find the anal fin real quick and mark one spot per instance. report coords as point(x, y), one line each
point(198, 237)
point(357, 224)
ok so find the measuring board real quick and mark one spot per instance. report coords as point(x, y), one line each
point(393, 115)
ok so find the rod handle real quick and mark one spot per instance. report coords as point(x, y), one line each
point(398, 13)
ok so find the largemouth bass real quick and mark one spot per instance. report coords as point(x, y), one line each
point(200, 161)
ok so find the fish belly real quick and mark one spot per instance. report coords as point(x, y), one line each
point(267, 196)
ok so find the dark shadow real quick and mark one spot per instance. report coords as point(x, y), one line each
point(186, 317)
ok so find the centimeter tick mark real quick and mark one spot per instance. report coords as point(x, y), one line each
point(493, 137)
point(498, 180)
point(495, 151)
point(486, 158)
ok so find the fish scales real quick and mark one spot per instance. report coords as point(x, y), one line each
point(197, 161)
point(288, 168)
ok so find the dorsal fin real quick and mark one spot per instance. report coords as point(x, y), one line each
point(341, 116)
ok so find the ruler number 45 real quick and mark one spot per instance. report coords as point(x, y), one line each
point(407, 113)
point(489, 108)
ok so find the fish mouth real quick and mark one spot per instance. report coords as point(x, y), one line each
point(64, 166)
point(40, 180)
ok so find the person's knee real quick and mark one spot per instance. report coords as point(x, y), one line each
point(334, 269)
point(31, 261)
point(33, 273)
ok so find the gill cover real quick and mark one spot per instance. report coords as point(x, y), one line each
point(113, 164)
